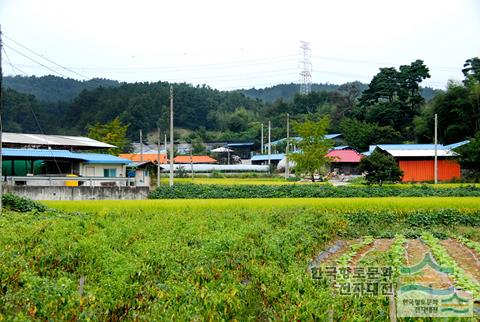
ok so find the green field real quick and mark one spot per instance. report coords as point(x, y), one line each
point(241, 259)
point(233, 204)
point(280, 181)
point(239, 180)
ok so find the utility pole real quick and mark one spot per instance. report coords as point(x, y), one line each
point(269, 145)
point(165, 146)
point(1, 126)
point(261, 141)
point(191, 158)
point(171, 136)
point(141, 146)
point(287, 170)
point(158, 158)
point(435, 165)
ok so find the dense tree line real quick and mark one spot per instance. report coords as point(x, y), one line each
point(53, 88)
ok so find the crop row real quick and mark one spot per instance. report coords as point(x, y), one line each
point(202, 191)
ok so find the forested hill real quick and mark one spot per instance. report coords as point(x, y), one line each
point(53, 88)
point(288, 91)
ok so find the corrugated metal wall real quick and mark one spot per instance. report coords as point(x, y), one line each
point(422, 170)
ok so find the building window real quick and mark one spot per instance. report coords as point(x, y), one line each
point(109, 173)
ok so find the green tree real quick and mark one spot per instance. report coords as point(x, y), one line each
point(313, 147)
point(360, 135)
point(458, 110)
point(470, 157)
point(471, 70)
point(380, 167)
point(198, 147)
point(393, 97)
point(112, 133)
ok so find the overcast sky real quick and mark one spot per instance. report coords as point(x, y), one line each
point(238, 44)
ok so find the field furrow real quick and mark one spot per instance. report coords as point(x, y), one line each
point(467, 259)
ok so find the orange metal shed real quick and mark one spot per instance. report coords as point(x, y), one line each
point(423, 170)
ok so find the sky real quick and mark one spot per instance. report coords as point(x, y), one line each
point(233, 44)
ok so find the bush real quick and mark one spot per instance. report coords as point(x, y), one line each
point(205, 191)
point(380, 167)
point(16, 203)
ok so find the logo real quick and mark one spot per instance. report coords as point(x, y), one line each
point(426, 290)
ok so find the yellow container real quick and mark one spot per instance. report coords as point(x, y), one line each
point(71, 183)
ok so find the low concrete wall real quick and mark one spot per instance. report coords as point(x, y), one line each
point(79, 193)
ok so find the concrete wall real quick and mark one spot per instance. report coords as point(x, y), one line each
point(79, 193)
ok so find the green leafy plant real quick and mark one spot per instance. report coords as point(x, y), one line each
point(444, 259)
point(16, 203)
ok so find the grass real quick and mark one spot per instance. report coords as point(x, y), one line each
point(258, 203)
point(189, 260)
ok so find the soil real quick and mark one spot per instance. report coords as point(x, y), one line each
point(465, 257)
point(416, 251)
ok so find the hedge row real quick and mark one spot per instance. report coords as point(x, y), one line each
point(203, 191)
point(20, 204)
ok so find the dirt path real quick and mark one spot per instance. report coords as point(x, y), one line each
point(465, 257)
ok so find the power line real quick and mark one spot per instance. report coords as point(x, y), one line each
point(377, 62)
point(224, 65)
point(47, 59)
point(183, 68)
point(7, 60)
point(35, 61)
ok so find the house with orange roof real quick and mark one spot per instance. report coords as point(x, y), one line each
point(152, 157)
point(203, 159)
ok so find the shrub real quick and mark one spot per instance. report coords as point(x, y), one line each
point(380, 167)
point(16, 203)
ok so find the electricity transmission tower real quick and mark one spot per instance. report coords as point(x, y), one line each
point(306, 68)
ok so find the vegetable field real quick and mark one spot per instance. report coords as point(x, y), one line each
point(196, 260)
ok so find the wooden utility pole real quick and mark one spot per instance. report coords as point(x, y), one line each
point(191, 158)
point(158, 158)
point(261, 140)
point(166, 145)
point(269, 145)
point(141, 146)
point(435, 165)
point(171, 136)
point(287, 170)
point(1, 126)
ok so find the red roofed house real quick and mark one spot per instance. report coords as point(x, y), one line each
point(345, 161)
point(193, 159)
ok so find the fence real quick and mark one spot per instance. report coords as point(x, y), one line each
point(49, 181)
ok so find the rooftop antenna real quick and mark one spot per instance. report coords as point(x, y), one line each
point(306, 66)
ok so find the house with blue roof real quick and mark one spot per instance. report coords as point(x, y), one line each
point(48, 162)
